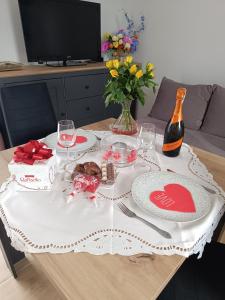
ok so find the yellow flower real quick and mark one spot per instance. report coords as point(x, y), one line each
point(109, 64)
point(133, 69)
point(139, 74)
point(127, 46)
point(116, 44)
point(152, 74)
point(115, 38)
point(114, 73)
point(128, 59)
point(120, 42)
point(150, 67)
point(106, 36)
point(116, 63)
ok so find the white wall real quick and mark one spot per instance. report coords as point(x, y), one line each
point(185, 40)
point(11, 37)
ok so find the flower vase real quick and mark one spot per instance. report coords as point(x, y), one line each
point(120, 55)
point(125, 124)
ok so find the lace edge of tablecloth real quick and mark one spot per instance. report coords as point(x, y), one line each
point(19, 242)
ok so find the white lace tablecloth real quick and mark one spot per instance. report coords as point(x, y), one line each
point(47, 222)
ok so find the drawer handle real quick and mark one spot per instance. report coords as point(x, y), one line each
point(87, 108)
point(87, 87)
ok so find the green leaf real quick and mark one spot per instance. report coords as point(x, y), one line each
point(108, 100)
point(128, 87)
point(141, 96)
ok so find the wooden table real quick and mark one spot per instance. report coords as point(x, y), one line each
point(113, 277)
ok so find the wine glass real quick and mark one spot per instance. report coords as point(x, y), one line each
point(66, 135)
point(147, 136)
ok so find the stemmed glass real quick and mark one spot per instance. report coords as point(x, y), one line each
point(66, 135)
point(147, 135)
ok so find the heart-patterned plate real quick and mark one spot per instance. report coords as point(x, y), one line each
point(171, 196)
point(85, 140)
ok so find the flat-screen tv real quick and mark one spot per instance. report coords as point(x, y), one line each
point(61, 30)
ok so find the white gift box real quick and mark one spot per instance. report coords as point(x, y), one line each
point(39, 176)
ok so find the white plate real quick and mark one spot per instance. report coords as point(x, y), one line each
point(52, 142)
point(155, 182)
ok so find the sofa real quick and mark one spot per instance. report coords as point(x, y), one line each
point(203, 112)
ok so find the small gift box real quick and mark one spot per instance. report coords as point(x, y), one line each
point(33, 167)
point(86, 183)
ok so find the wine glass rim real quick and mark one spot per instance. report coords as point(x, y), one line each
point(147, 127)
point(66, 122)
point(147, 124)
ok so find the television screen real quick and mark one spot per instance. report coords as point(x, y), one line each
point(56, 30)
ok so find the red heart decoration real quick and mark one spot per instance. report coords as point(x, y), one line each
point(81, 139)
point(174, 197)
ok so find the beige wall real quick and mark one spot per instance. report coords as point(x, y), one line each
point(185, 40)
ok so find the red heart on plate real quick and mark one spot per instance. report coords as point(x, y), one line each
point(79, 140)
point(174, 197)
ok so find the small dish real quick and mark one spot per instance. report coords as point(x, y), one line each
point(121, 150)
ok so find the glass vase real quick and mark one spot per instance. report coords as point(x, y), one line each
point(125, 124)
point(120, 55)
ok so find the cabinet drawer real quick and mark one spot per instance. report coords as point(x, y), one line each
point(85, 108)
point(85, 86)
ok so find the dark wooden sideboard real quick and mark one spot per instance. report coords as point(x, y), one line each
point(76, 92)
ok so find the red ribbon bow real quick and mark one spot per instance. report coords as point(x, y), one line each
point(32, 151)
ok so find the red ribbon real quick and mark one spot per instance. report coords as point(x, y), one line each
point(32, 151)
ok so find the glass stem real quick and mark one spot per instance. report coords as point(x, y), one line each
point(67, 154)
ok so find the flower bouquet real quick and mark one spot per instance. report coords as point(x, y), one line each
point(122, 42)
point(125, 85)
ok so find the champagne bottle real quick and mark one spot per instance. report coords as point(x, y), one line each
point(174, 132)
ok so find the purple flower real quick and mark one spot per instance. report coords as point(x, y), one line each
point(127, 39)
point(105, 47)
point(121, 31)
point(134, 46)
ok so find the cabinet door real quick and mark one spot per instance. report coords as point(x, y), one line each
point(56, 93)
point(2, 126)
point(85, 86)
point(90, 110)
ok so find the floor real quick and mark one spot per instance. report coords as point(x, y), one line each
point(30, 285)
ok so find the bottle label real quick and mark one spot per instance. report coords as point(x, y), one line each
point(172, 146)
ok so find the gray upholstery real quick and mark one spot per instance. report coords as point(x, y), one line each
point(214, 122)
point(205, 105)
point(195, 138)
point(195, 103)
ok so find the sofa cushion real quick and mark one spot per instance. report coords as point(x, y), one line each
point(205, 141)
point(214, 119)
point(195, 103)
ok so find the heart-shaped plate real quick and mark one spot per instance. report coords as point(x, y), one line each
point(170, 196)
